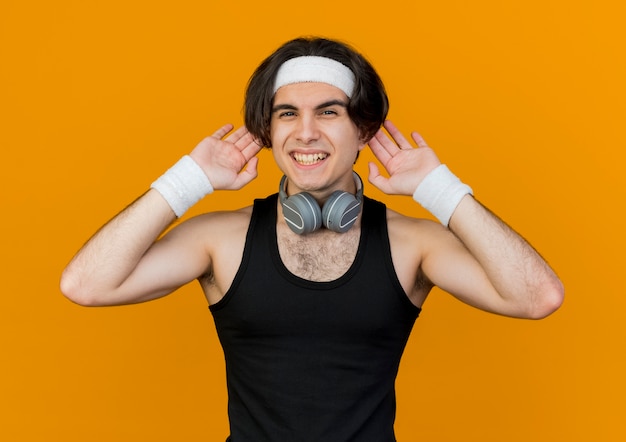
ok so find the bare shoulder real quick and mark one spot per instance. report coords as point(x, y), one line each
point(211, 234)
point(416, 232)
point(409, 236)
point(223, 237)
point(227, 219)
point(217, 223)
point(402, 225)
point(217, 229)
point(410, 240)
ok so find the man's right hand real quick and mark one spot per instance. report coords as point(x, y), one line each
point(230, 163)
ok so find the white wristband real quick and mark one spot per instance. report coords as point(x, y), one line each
point(183, 185)
point(440, 192)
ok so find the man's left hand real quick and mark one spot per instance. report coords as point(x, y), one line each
point(406, 166)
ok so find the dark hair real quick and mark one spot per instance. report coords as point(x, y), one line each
point(368, 105)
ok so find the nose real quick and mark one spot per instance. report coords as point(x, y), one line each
point(307, 130)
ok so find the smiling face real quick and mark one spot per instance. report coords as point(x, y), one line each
point(314, 141)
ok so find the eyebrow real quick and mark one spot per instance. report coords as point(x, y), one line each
point(323, 105)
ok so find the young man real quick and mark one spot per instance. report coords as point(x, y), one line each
point(314, 290)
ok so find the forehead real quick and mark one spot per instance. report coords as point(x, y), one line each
point(309, 94)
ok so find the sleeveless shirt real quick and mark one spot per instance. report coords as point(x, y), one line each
point(313, 361)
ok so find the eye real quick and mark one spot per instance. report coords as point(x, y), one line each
point(286, 114)
point(329, 112)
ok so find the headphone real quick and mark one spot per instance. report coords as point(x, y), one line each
point(304, 215)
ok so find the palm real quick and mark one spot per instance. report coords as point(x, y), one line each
point(405, 165)
point(224, 160)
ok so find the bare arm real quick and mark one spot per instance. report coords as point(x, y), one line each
point(488, 265)
point(479, 259)
point(124, 263)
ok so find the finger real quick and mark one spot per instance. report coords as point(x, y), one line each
point(374, 172)
point(397, 136)
point(248, 174)
point(379, 150)
point(251, 149)
point(386, 143)
point(237, 135)
point(240, 138)
point(376, 179)
point(418, 139)
point(222, 131)
point(246, 140)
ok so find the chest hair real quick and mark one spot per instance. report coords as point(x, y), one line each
point(320, 256)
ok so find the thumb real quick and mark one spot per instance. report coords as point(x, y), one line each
point(376, 178)
point(249, 173)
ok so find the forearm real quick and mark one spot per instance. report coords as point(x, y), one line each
point(517, 272)
point(486, 264)
point(110, 256)
point(124, 263)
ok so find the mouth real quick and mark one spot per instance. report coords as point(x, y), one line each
point(308, 159)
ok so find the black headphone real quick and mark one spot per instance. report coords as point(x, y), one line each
point(303, 214)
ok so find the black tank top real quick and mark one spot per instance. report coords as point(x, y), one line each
point(313, 361)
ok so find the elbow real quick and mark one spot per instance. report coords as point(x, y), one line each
point(548, 299)
point(73, 290)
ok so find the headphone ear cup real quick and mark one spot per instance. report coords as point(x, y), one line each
point(341, 211)
point(302, 213)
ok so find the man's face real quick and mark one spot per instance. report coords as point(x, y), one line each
point(314, 141)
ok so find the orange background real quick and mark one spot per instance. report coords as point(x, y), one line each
point(523, 99)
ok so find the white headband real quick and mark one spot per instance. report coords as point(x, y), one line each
point(315, 69)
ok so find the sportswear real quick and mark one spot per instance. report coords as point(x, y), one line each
point(313, 361)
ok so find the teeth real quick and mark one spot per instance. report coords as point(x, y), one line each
point(309, 158)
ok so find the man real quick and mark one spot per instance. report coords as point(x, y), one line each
point(314, 290)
